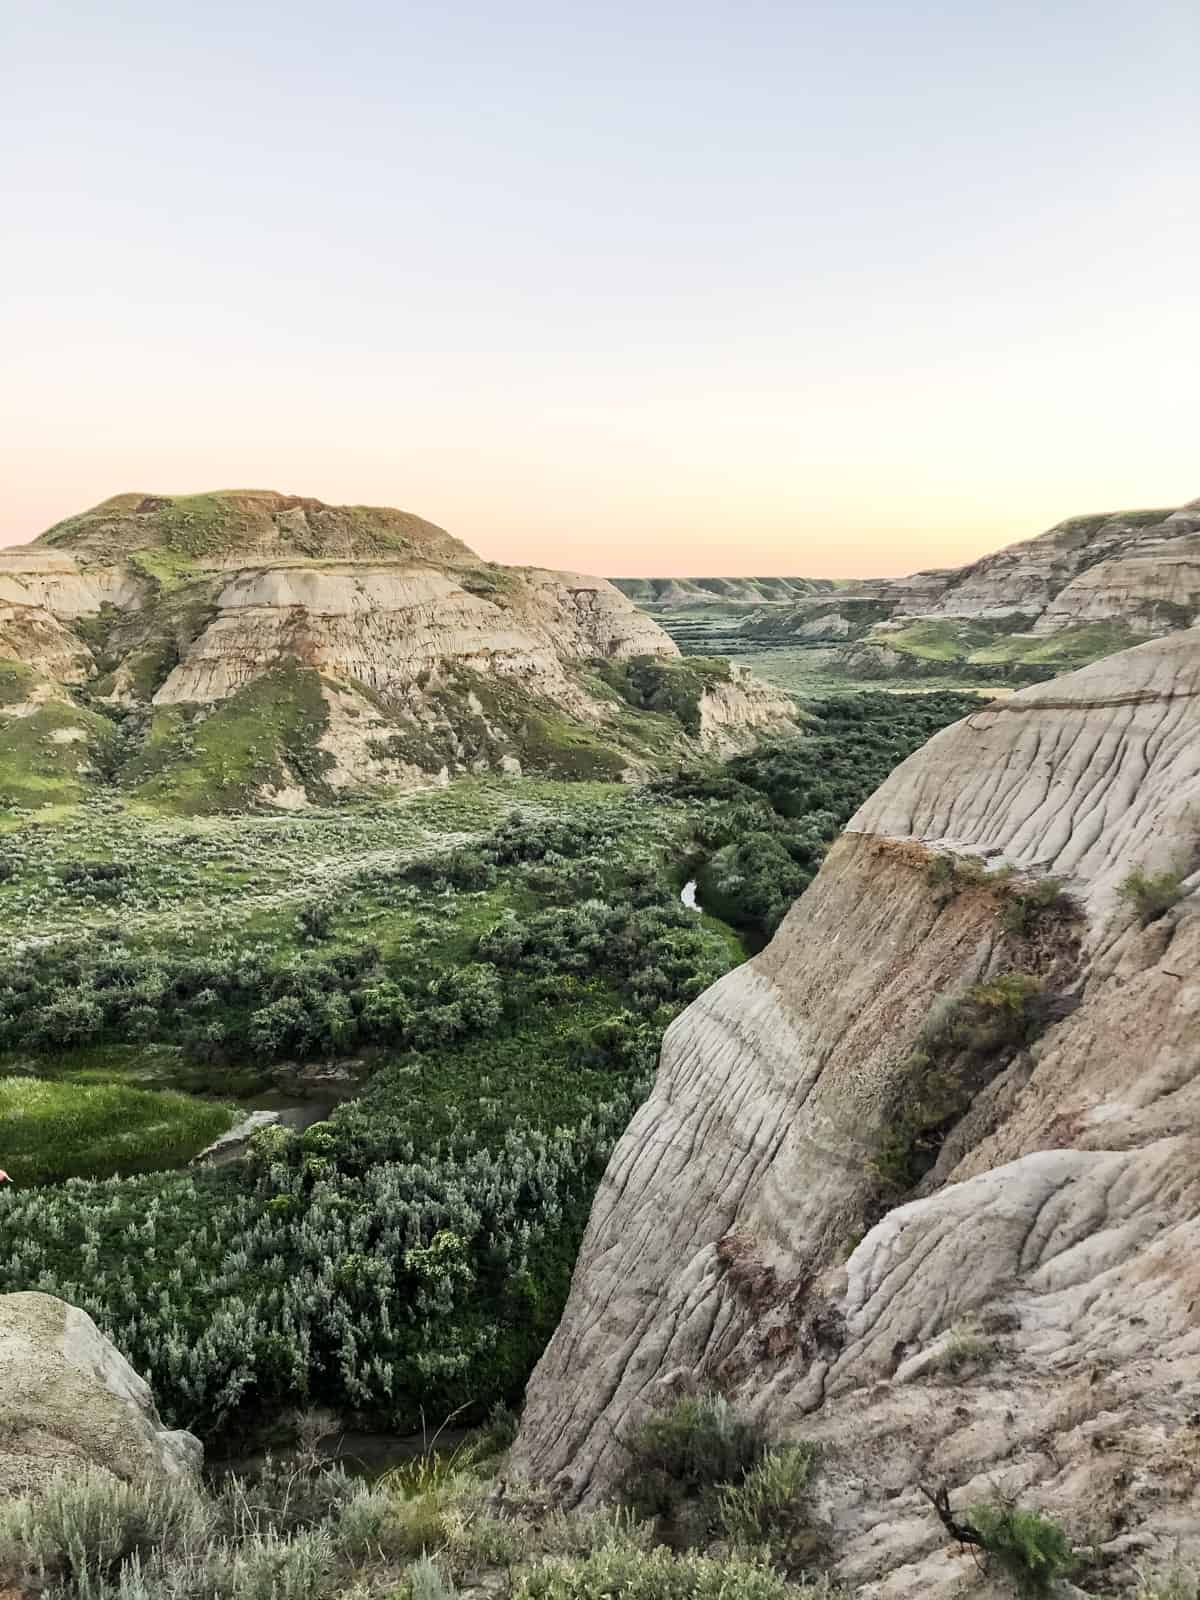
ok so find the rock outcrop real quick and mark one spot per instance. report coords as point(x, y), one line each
point(1088, 587)
point(1019, 1311)
point(415, 658)
point(69, 1399)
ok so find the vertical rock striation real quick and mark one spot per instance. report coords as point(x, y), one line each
point(742, 1239)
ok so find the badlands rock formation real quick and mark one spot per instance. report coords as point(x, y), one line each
point(1088, 587)
point(69, 1399)
point(1025, 1319)
point(415, 656)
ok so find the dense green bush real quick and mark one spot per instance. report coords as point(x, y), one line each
point(966, 1040)
point(1032, 1550)
point(769, 1506)
point(685, 1452)
point(768, 815)
point(1152, 894)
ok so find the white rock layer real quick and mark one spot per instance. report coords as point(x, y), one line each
point(1065, 1224)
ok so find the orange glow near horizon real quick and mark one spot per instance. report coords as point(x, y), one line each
point(653, 534)
point(827, 291)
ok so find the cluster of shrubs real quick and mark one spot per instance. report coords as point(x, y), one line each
point(1152, 894)
point(311, 1532)
point(967, 1039)
point(102, 880)
point(768, 815)
point(239, 1003)
point(416, 1248)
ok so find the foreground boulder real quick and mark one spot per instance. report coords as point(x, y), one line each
point(68, 1399)
point(866, 1202)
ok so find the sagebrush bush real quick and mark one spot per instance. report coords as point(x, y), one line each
point(83, 1529)
point(964, 1348)
point(298, 1567)
point(656, 1574)
point(966, 1039)
point(1025, 910)
point(279, 1498)
point(685, 1451)
point(1176, 1582)
point(1032, 1550)
point(424, 1581)
point(1152, 894)
point(769, 1506)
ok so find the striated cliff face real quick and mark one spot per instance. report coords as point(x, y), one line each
point(1119, 567)
point(1088, 587)
point(921, 1182)
point(365, 645)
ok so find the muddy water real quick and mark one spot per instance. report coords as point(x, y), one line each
point(295, 1111)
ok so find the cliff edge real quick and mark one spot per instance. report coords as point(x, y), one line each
point(921, 1182)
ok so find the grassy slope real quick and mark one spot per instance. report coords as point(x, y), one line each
point(50, 1131)
point(41, 754)
point(263, 736)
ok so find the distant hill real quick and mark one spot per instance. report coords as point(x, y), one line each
point(1084, 589)
point(680, 592)
point(217, 650)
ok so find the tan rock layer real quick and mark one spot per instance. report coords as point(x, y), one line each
point(1064, 1232)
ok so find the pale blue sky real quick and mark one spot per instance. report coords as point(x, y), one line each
point(642, 288)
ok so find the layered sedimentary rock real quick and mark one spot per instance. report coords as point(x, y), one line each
point(369, 646)
point(1105, 568)
point(1026, 1319)
point(69, 1400)
point(1089, 586)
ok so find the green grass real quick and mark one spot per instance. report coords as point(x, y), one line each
point(55, 1130)
point(264, 736)
point(935, 641)
point(809, 674)
point(17, 682)
point(165, 567)
point(41, 755)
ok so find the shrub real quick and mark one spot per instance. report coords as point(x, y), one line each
point(281, 1499)
point(685, 1452)
point(274, 1568)
point(964, 1348)
point(768, 1506)
point(314, 920)
point(652, 1575)
point(1032, 1550)
point(85, 1528)
point(1026, 909)
point(1177, 1582)
point(1152, 895)
point(967, 1038)
point(425, 1582)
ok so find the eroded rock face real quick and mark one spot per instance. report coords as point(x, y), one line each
point(1087, 569)
point(69, 1399)
point(1103, 582)
point(426, 660)
point(737, 1241)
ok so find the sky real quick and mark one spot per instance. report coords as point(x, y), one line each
point(637, 288)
